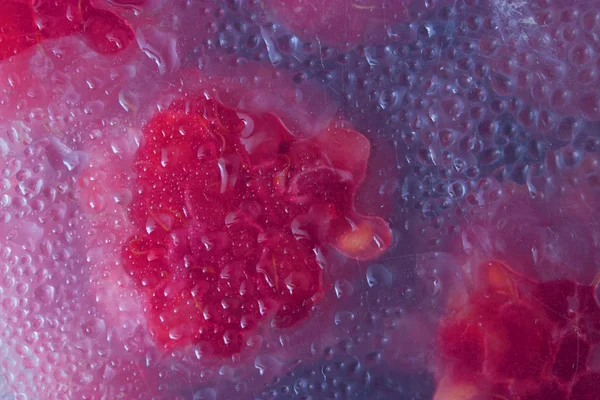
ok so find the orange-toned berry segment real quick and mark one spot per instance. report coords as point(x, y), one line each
point(450, 389)
point(361, 238)
point(500, 280)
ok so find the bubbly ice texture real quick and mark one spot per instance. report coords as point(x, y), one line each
point(482, 122)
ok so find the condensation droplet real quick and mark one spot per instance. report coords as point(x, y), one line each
point(45, 293)
point(129, 100)
point(378, 274)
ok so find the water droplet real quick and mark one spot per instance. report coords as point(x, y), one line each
point(229, 168)
point(45, 293)
point(9, 303)
point(205, 394)
point(266, 364)
point(123, 197)
point(160, 48)
point(590, 105)
point(343, 288)
point(343, 318)
point(388, 98)
point(129, 100)
point(5, 200)
point(93, 327)
point(274, 56)
point(378, 274)
point(94, 108)
point(175, 334)
point(60, 156)
point(3, 148)
point(502, 85)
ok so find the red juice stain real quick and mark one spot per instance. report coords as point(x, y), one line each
point(24, 24)
point(232, 217)
point(518, 338)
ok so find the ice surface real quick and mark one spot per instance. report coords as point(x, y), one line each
point(483, 122)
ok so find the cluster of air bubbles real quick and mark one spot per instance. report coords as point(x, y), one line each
point(339, 375)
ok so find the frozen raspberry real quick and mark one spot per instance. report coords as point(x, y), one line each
point(233, 215)
point(515, 332)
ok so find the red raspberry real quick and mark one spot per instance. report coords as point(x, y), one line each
point(233, 214)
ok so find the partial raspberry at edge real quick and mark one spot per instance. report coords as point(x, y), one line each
point(27, 23)
point(517, 338)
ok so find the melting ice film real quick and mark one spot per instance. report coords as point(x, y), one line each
point(300, 199)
